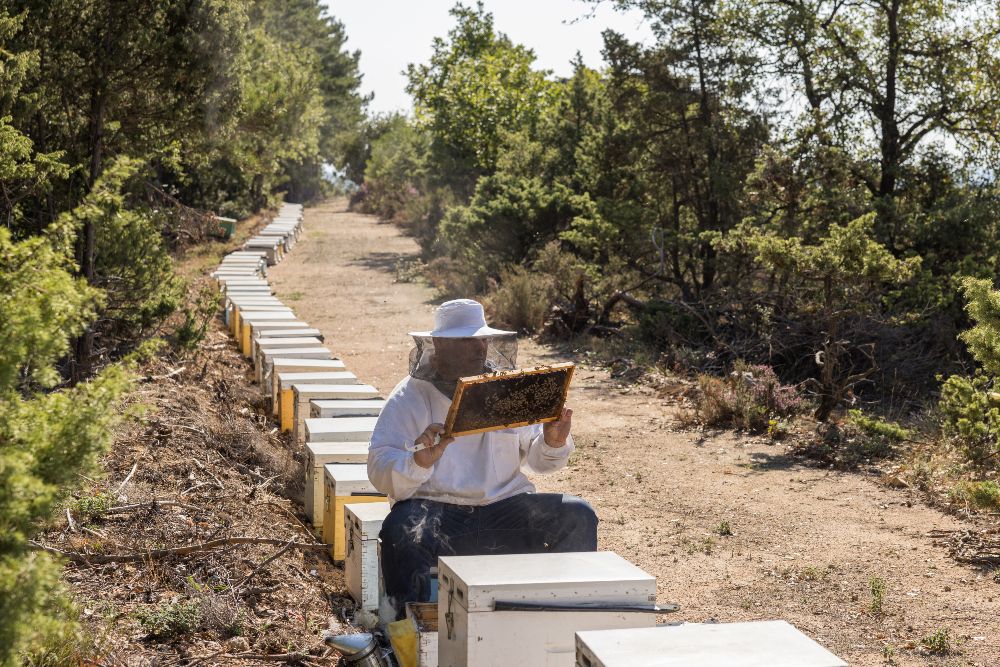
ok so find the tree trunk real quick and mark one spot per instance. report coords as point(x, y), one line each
point(88, 239)
point(890, 140)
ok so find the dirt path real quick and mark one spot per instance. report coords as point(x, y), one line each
point(806, 541)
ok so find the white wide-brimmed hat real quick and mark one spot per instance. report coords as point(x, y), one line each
point(461, 318)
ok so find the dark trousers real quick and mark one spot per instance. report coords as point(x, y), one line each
point(417, 531)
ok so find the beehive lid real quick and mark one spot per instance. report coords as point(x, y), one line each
point(347, 408)
point(255, 308)
point(287, 379)
point(754, 644)
point(560, 578)
point(292, 352)
point(310, 391)
point(367, 517)
point(322, 453)
point(349, 478)
point(258, 316)
point(254, 300)
point(339, 428)
point(262, 328)
point(289, 333)
point(282, 365)
point(266, 343)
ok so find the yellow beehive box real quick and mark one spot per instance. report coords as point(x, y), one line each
point(344, 483)
point(284, 407)
point(318, 455)
point(243, 318)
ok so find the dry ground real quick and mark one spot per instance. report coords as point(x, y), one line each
point(806, 541)
point(205, 446)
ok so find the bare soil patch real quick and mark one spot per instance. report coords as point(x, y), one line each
point(733, 527)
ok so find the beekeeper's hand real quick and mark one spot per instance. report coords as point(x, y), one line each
point(425, 458)
point(556, 432)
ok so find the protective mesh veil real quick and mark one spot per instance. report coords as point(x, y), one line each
point(442, 361)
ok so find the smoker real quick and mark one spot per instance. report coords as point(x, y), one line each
point(754, 644)
point(525, 609)
point(361, 650)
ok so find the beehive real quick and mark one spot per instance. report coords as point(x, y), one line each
point(283, 364)
point(244, 319)
point(303, 394)
point(323, 408)
point(339, 429)
point(343, 484)
point(472, 633)
point(285, 406)
point(424, 617)
point(753, 644)
point(363, 521)
point(318, 455)
point(266, 357)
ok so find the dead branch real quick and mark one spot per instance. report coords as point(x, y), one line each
point(296, 656)
point(270, 559)
point(172, 373)
point(86, 558)
point(128, 478)
point(165, 503)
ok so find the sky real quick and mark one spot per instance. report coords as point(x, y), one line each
point(393, 33)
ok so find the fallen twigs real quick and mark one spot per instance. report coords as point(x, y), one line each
point(122, 509)
point(86, 558)
point(980, 548)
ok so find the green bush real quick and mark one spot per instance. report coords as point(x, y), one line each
point(48, 437)
point(984, 495)
point(970, 416)
point(167, 621)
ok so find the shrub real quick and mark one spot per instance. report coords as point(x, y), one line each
point(876, 586)
point(48, 437)
point(167, 621)
point(938, 642)
point(985, 495)
point(521, 301)
point(748, 399)
point(970, 416)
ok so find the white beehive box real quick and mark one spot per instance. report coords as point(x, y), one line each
point(283, 365)
point(754, 644)
point(318, 455)
point(471, 633)
point(284, 407)
point(424, 617)
point(344, 484)
point(339, 429)
point(258, 346)
point(361, 565)
point(304, 393)
point(324, 409)
point(266, 356)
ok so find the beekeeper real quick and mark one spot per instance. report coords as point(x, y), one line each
point(467, 495)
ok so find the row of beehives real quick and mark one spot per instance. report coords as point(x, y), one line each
point(561, 609)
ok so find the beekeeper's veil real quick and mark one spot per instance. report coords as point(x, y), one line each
point(459, 346)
